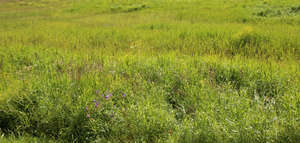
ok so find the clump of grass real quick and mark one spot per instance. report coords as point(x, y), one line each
point(246, 79)
point(295, 9)
point(248, 37)
point(128, 8)
point(278, 12)
point(248, 42)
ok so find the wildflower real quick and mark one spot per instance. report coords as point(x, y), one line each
point(107, 96)
point(96, 103)
point(123, 94)
point(102, 95)
point(85, 109)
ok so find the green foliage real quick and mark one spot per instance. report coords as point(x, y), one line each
point(276, 12)
point(149, 71)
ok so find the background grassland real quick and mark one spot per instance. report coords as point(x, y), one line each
point(177, 71)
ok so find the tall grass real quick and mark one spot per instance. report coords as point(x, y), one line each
point(149, 71)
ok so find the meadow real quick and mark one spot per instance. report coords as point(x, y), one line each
point(174, 71)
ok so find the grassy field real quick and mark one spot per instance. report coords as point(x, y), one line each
point(174, 71)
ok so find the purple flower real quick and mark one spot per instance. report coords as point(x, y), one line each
point(85, 109)
point(107, 96)
point(102, 95)
point(123, 94)
point(96, 105)
point(95, 100)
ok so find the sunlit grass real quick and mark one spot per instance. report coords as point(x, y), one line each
point(191, 71)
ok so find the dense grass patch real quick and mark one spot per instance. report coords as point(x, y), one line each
point(149, 71)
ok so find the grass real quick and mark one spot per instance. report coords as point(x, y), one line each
point(149, 71)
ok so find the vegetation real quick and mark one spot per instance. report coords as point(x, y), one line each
point(150, 71)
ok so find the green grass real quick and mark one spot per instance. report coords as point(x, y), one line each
point(191, 71)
